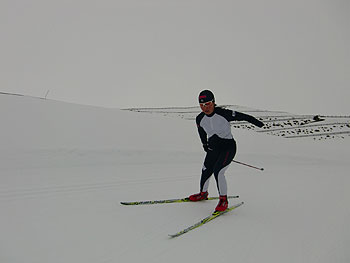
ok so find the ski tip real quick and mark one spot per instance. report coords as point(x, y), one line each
point(171, 236)
point(126, 203)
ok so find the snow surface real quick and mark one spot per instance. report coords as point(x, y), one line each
point(65, 169)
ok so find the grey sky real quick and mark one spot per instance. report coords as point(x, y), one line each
point(273, 54)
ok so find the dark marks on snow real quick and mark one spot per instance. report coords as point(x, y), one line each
point(277, 123)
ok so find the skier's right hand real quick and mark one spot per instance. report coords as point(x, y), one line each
point(206, 148)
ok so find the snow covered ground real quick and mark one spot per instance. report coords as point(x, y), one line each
point(65, 168)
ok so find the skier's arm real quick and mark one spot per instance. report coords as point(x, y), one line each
point(204, 138)
point(202, 134)
point(239, 116)
point(230, 115)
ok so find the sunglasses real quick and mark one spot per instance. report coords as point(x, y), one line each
point(206, 103)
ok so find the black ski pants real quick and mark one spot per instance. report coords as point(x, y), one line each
point(216, 162)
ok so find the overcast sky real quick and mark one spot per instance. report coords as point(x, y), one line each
point(272, 54)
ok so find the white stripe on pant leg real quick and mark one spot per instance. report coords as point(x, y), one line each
point(206, 184)
point(222, 181)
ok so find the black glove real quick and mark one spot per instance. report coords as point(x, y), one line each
point(259, 124)
point(206, 148)
point(256, 122)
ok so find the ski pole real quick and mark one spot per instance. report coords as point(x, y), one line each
point(261, 169)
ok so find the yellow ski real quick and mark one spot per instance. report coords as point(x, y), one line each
point(205, 220)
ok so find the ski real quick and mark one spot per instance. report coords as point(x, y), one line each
point(168, 201)
point(205, 220)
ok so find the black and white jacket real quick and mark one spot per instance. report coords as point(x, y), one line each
point(215, 129)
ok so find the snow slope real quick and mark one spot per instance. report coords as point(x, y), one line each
point(64, 168)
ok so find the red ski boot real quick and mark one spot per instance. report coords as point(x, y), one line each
point(223, 204)
point(198, 197)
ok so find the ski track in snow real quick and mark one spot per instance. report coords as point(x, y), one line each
point(38, 192)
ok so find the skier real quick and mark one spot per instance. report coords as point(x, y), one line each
point(215, 134)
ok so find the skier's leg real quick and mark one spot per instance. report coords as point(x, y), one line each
point(221, 181)
point(205, 178)
point(207, 170)
point(220, 167)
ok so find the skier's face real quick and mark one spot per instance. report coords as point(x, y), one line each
point(207, 107)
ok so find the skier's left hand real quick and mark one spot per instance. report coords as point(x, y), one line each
point(259, 124)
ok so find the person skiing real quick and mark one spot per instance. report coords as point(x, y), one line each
point(214, 130)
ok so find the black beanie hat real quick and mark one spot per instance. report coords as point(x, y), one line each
point(205, 96)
